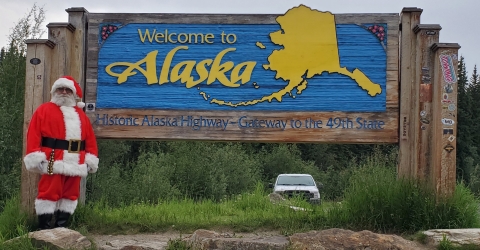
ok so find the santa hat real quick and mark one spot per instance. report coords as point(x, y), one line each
point(69, 82)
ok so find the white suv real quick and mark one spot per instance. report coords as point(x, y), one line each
point(289, 185)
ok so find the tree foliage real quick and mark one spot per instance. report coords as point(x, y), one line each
point(468, 135)
point(28, 27)
point(12, 92)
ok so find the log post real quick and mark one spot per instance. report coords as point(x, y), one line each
point(38, 60)
point(78, 18)
point(47, 60)
point(444, 117)
point(427, 35)
point(409, 91)
point(62, 35)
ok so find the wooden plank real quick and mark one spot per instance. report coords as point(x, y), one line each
point(409, 19)
point(297, 126)
point(392, 97)
point(91, 89)
point(91, 60)
point(184, 18)
point(95, 18)
point(444, 130)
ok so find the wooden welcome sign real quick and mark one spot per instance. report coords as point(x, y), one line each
point(301, 76)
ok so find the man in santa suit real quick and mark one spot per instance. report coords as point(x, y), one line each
point(61, 146)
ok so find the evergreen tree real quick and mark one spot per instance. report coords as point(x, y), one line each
point(465, 161)
point(474, 92)
point(2, 54)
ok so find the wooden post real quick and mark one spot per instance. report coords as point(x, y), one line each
point(37, 90)
point(78, 18)
point(427, 35)
point(444, 117)
point(55, 60)
point(409, 92)
point(38, 81)
point(62, 35)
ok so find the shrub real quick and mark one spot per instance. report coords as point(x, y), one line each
point(377, 200)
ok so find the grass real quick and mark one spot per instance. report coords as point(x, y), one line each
point(446, 244)
point(375, 200)
point(378, 201)
point(243, 213)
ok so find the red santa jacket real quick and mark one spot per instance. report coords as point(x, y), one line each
point(64, 123)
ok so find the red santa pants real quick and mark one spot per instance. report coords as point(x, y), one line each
point(55, 187)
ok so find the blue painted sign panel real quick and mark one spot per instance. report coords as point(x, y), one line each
point(310, 64)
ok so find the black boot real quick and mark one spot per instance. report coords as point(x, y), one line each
point(61, 219)
point(44, 221)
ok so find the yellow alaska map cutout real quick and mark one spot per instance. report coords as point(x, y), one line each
point(309, 40)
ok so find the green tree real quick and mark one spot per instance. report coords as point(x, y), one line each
point(12, 92)
point(474, 92)
point(28, 27)
point(465, 142)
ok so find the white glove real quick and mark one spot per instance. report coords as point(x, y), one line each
point(40, 166)
point(89, 169)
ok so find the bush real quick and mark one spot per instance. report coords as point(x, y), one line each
point(196, 170)
point(378, 201)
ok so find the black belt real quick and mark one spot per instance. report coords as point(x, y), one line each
point(73, 146)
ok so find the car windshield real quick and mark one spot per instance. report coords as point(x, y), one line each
point(295, 180)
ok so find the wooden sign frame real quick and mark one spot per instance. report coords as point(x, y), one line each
point(297, 125)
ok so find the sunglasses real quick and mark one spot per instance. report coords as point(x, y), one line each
point(64, 89)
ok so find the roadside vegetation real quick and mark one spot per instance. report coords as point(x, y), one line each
point(374, 200)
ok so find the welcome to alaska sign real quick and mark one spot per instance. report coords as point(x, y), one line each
point(301, 76)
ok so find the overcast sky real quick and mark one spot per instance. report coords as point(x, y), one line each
point(459, 19)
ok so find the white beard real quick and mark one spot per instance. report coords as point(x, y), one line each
point(63, 100)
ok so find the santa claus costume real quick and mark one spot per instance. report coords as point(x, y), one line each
point(61, 145)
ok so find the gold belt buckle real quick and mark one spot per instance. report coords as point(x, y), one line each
point(70, 145)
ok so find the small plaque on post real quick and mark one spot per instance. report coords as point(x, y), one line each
point(35, 61)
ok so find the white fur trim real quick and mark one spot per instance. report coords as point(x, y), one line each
point(70, 169)
point(92, 162)
point(33, 160)
point(45, 206)
point(72, 131)
point(63, 83)
point(81, 105)
point(66, 205)
point(72, 123)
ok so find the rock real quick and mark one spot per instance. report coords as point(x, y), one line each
point(210, 240)
point(340, 239)
point(458, 237)
point(135, 241)
point(59, 238)
point(276, 198)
